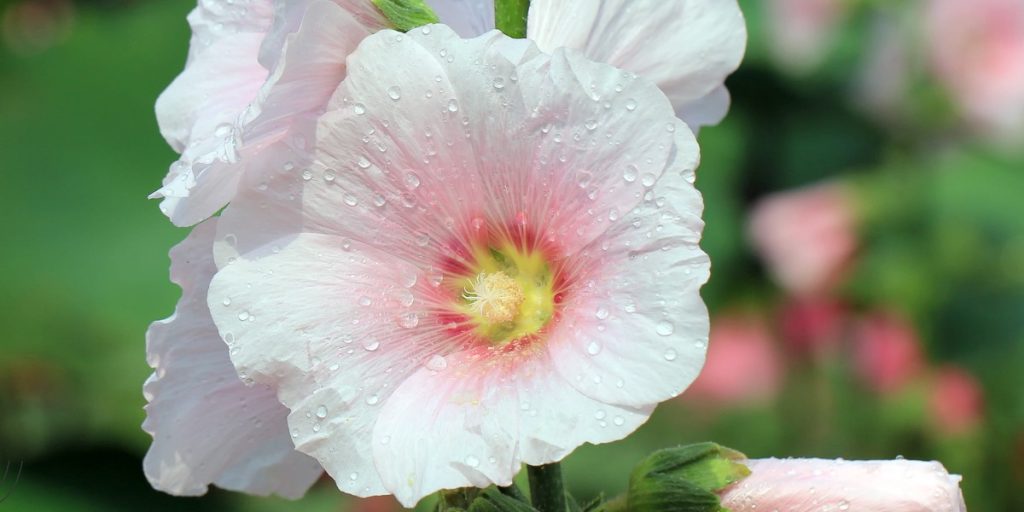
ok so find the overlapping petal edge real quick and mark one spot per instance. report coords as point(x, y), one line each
point(335, 261)
point(257, 67)
point(207, 426)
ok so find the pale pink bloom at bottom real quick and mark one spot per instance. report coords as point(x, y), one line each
point(805, 236)
point(819, 485)
point(957, 401)
point(484, 256)
point(742, 364)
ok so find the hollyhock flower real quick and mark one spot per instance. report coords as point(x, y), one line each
point(207, 426)
point(486, 256)
point(812, 325)
point(806, 237)
point(887, 352)
point(814, 485)
point(257, 68)
point(742, 363)
point(956, 402)
point(802, 31)
point(977, 50)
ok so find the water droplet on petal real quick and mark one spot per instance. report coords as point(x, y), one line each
point(243, 316)
point(321, 412)
point(631, 104)
point(412, 180)
point(395, 92)
point(409, 320)
point(665, 328)
point(359, 109)
point(618, 421)
point(453, 105)
point(472, 461)
point(371, 344)
point(601, 313)
point(499, 83)
point(648, 179)
point(437, 363)
point(630, 173)
point(671, 355)
point(593, 348)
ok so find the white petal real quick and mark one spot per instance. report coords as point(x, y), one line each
point(207, 426)
point(469, 18)
point(639, 334)
point(473, 418)
point(687, 47)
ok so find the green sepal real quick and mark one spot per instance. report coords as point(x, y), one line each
point(684, 479)
point(492, 500)
point(510, 17)
point(406, 15)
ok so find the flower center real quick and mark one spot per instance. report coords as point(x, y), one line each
point(496, 297)
point(509, 294)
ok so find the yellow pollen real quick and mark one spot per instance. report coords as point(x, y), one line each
point(495, 296)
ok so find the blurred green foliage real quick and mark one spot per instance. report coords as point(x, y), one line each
point(84, 270)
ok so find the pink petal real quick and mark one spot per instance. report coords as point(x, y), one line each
point(687, 47)
point(814, 485)
point(207, 426)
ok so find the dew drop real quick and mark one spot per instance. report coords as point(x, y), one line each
point(371, 344)
point(648, 179)
point(409, 320)
point(364, 301)
point(665, 328)
point(363, 163)
point(613, 214)
point(472, 461)
point(499, 83)
point(350, 199)
point(425, 30)
point(594, 348)
point(630, 173)
point(226, 301)
point(631, 104)
point(372, 400)
point(600, 414)
point(353, 476)
point(670, 355)
point(359, 109)
point(591, 124)
point(412, 180)
point(243, 316)
point(321, 412)
point(395, 92)
point(453, 105)
point(437, 363)
point(618, 421)
point(329, 175)
point(601, 313)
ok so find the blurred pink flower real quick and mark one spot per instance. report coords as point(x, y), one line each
point(887, 352)
point(977, 50)
point(802, 31)
point(806, 237)
point(742, 365)
point(812, 325)
point(818, 485)
point(459, 274)
point(957, 401)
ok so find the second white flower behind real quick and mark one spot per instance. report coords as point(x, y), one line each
point(484, 256)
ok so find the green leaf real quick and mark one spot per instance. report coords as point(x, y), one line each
point(406, 15)
point(510, 17)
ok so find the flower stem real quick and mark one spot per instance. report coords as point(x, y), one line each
point(510, 17)
point(546, 489)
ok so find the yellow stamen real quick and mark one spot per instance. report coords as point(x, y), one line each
point(495, 296)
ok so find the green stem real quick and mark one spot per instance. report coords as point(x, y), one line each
point(513, 491)
point(546, 489)
point(510, 17)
